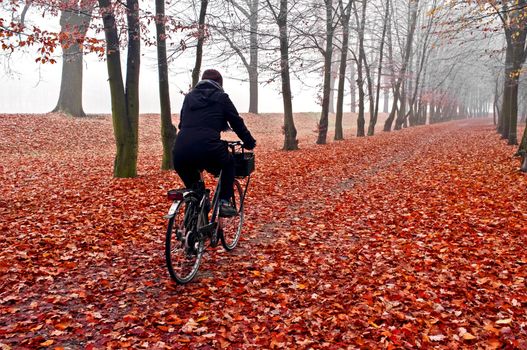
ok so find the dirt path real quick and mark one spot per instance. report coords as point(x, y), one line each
point(326, 189)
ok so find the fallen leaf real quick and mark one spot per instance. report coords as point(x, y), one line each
point(436, 337)
point(468, 336)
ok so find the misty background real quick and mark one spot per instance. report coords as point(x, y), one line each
point(30, 87)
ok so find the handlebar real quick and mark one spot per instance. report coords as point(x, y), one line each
point(234, 144)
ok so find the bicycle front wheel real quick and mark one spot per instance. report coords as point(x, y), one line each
point(183, 245)
point(232, 226)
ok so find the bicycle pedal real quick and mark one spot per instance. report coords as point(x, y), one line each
point(208, 229)
point(214, 239)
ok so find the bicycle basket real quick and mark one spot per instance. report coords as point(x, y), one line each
point(243, 164)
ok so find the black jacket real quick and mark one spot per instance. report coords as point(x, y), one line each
point(207, 111)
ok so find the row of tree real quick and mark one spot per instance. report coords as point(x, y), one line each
point(433, 60)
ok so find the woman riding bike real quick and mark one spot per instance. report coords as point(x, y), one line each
point(207, 111)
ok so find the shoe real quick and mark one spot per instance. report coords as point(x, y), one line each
point(227, 210)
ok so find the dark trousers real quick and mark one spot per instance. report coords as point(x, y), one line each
point(189, 171)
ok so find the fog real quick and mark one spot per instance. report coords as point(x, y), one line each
point(29, 87)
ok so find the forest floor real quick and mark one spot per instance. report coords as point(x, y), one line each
point(409, 239)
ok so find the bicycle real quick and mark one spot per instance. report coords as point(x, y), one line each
point(193, 219)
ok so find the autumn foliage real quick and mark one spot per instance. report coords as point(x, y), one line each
point(413, 239)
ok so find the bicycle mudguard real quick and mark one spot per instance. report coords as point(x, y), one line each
point(172, 210)
point(178, 196)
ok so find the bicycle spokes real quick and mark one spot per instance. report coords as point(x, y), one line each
point(183, 245)
point(231, 227)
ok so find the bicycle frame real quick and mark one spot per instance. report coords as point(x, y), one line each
point(216, 200)
point(180, 196)
point(201, 221)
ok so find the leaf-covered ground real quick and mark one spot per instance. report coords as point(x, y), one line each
point(412, 239)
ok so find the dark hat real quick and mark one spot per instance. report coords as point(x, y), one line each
point(212, 74)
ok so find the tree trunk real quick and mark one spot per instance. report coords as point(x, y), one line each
point(253, 59)
point(391, 117)
point(423, 113)
point(389, 83)
point(125, 103)
point(422, 105)
point(515, 35)
point(512, 135)
point(290, 141)
point(360, 117)
point(369, 85)
point(420, 64)
point(506, 105)
point(133, 64)
point(360, 80)
point(432, 112)
point(323, 123)
point(386, 97)
point(70, 96)
point(168, 130)
point(402, 109)
point(74, 23)
point(201, 39)
point(251, 63)
point(506, 109)
point(345, 18)
point(496, 110)
point(438, 113)
point(518, 53)
point(413, 6)
point(333, 78)
point(523, 167)
point(373, 118)
point(523, 117)
point(393, 82)
point(353, 96)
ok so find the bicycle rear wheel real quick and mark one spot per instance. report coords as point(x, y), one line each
point(232, 227)
point(183, 245)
